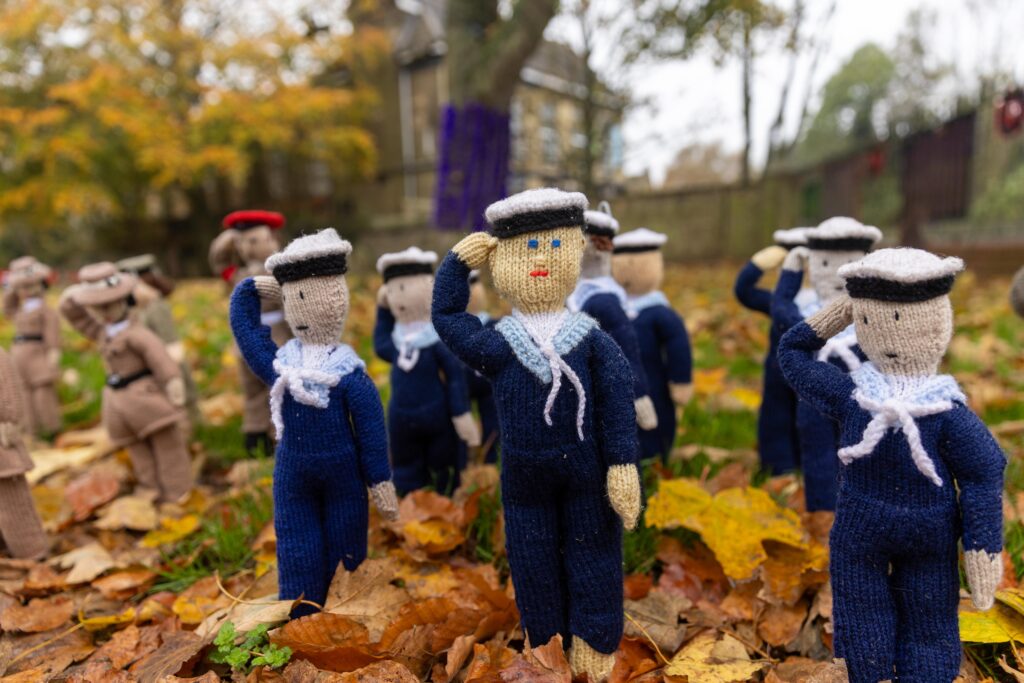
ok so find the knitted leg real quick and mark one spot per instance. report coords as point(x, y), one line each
point(256, 412)
point(651, 443)
point(818, 439)
point(667, 426)
point(926, 588)
point(776, 423)
point(346, 517)
point(301, 559)
point(491, 429)
point(408, 456)
point(144, 467)
point(174, 467)
point(446, 456)
point(19, 522)
point(46, 407)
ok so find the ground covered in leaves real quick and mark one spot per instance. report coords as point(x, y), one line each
point(727, 578)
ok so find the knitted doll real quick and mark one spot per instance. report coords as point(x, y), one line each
point(36, 349)
point(480, 391)
point(777, 440)
point(20, 528)
point(832, 244)
point(332, 444)
point(563, 390)
point(602, 298)
point(920, 472)
point(428, 412)
point(144, 391)
point(1017, 293)
point(639, 266)
point(239, 252)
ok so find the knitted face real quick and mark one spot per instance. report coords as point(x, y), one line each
point(109, 313)
point(597, 257)
point(409, 297)
point(536, 271)
point(477, 298)
point(315, 308)
point(256, 244)
point(30, 290)
point(639, 272)
point(823, 267)
point(904, 338)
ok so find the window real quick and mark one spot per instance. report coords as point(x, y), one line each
point(549, 138)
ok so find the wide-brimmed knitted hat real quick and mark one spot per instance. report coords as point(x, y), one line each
point(791, 238)
point(102, 283)
point(252, 218)
point(411, 261)
point(902, 275)
point(137, 264)
point(26, 269)
point(843, 234)
point(600, 222)
point(319, 254)
point(544, 209)
point(639, 240)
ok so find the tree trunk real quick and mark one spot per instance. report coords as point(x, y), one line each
point(590, 131)
point(748, 67)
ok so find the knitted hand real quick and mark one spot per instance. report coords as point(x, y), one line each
point(681, 393)
point(175, 389)
point(984, 572)
point(385, 499)
point(624, 493)
point(475, 249)
point(53, 358)
point(467, 429)
point(834, 319)
point(10, 434)
point(176, 350)
point(795, 259)
point(267, 287)
point(769, 258)
point(646, 416)
point(382, 297)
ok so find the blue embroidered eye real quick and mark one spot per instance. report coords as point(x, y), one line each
point(533, 244)
point(556, 243)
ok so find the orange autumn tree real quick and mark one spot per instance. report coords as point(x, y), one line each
point(159, 115)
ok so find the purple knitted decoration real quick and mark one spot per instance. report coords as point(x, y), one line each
point(473, 165)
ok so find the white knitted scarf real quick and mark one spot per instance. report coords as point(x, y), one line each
point(894, 402)
point(309, 372)
point(410, 338)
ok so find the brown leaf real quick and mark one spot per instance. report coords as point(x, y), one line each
point(637, 586)
point(458, 653)
point(330, 641)
point(302, 671)
point(120, 649)
point(657, 617)
point(86, 563)
point(97, 672)
point(797, 670)
point(125, 584)
point(40, 614)
point(550, 660)
point(449, 620)
point(41, 580)
point(633, 658)
point(89, 491)
point(129, 512)
point(741, 604)
point(781, 624)
point(54, 654)
point(488, 661)
point(208, 677)
point(177, 649)
point(366, 595)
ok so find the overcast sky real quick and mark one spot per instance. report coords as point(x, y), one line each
point(695, 101)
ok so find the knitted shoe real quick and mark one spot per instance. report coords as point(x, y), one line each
point(585, 659)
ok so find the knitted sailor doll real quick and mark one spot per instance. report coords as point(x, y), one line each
point(480, 391)
point(332, 444)
point(36, 349)
point(920, 472)
point(144, 390)
point(564, 394)
point(777, 440)
point(20, 529)
point(239, 252)
point(602, 298)
point(834, 243)
point(639, 266)
point(428, 412)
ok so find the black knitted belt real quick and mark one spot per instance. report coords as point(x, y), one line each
point(120, 382)
point(25, 338)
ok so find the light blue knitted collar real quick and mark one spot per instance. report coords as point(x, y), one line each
point(876, 386)
point(309, 374)
point(415, 335)
point(592, 286)
point(573, 330)
point(642, 302)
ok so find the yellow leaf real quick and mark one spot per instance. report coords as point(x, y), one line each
point(170, 531)
point(100, 623)
point(997, 625)
point(709, 382)
point(265, 561)
point(747, 397)
point(192, 610)
point(705, 660)
point(733, 523)
point(433, 535)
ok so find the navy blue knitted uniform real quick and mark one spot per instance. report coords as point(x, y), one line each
point(894, 567)
point(665, 350)
point(564, 540)
point(777, 441)
point(325, 461)
point(818, 434)
point(425, 449)
point(481, 393)
point(606, 309)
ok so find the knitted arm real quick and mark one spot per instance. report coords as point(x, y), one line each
point(79, 318)
point(675, 340)
point(785, 313)
point(12, 406)
point(614, 415)
point(383, 345)
point(51, 329)
point(367, 418)
point(748, 293)
point(607, 310)
point(823, 385)
point(252, 337)
point(153, 351)
point(480, 347)
point(456, 385)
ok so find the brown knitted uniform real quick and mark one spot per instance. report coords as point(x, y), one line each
point(20, 527)
point(36, 333)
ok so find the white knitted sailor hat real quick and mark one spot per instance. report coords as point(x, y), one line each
point(639, 240)
point(842, 233)
point(793, 237)
point(902, 275)
point(411, 261)
point(600, 222)
point(533, 210)
point(322, 253)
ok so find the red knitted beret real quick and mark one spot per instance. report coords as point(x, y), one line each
point(243, 220)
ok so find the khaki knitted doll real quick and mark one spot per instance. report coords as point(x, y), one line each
point(240, 251)
point(144, 390)
point(20, 528)
point(36, 350)
point(563, 388)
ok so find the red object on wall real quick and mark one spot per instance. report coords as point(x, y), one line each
point(876, 161)
point(1010, 112)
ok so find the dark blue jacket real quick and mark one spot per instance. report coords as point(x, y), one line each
point(665, 350)
point(606, 309)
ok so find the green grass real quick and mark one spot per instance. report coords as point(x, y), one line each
point(730, 429)
point(481, 530)
point(223, 443)
point(82, 402)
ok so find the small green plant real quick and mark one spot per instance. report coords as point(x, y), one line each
point(254, 650)
point(481, 529)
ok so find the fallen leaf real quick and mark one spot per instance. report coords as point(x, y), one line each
point(171, 531)
point(656, 616)
point(89, 491)
point(40, 614)
point(124, 584)
point(708, 660)
point(48, 461)
point(129, 512)
point(329, 641)
point(51, 655)
point(102, 622)
point(246, 616)
point(456, 658)
point(86, 563)
point(797, 670)
point(549, 659)
point(177, 648)
point(1000, 624)
point(488, 661)
point(637, 586)
point(633, 658)
point(120, 649)
point(780, 624)
point(367, 595)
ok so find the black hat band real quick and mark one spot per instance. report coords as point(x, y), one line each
point(840, 244)
point(881, 289)
point(635, 249)
point(331, 264)
point(598, 230)
point(405, 269)
point(533, 221)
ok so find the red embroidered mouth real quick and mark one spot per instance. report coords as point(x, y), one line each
point(538, 273)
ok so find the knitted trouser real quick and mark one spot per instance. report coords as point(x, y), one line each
point(256, 409)
point(658, 442)
point(564, 546)
point(819, 437)
point(45, 408)
point(320, 517)
point(491, 428)
point(424, 454)
point(777, 438)
point(19, 523)
point(895, 584)
point(161, 463)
